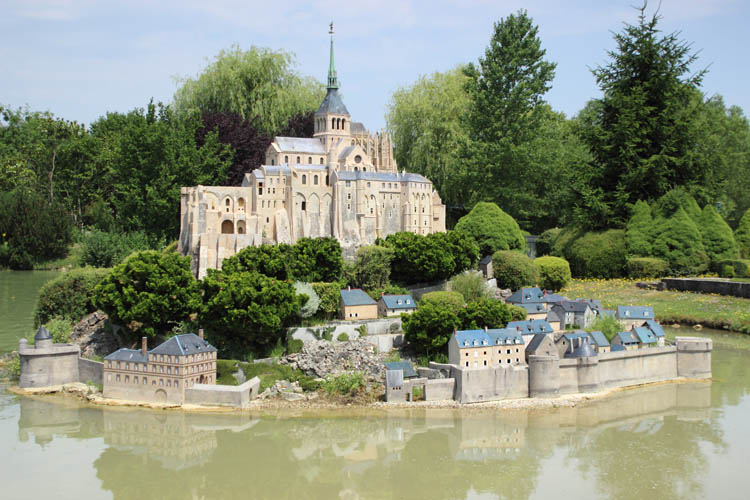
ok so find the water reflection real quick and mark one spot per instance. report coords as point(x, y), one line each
point(656, 434)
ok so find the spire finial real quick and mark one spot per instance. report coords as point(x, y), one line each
point(333, 82)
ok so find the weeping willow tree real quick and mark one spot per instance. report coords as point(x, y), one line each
point(259, 84)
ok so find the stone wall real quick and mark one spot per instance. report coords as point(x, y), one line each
point(223, 395)
point(718, 286)
point(41, 366)
point(90, 371)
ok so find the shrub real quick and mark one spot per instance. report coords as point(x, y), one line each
point(647, 267)
point(343, 337)
point(598, 255)
point(742, 235)
point(294, 346)
point(311, 304)
point(639, 230)
point(554, 272)
point(149, 292)
point(418, 258)
point(727, 271)
point(68, 296)
point(465, 250)
point(454, 300)
point(372, 268)
point(472, 286)
point(99, 249)
point(328, 293)
point(608, 325)
point(513, 270)
point(428, 329)
point(546, 240)
point(718, 239)
point(491, 228)
point(488, 313)
point(678, 242)
point(346, 384)
point(60, 329)
point(517, 313)
point(678, 198)
point(740, 267)
point(316, 259)
point(388, 290)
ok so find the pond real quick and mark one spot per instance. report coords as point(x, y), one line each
point(687, 440)
point(18, 293)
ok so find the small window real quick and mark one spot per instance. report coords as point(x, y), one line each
point(298, 160)
point(348, 196)
point(309, 160)
point(321, 160)
point(348, 183)
point(467, 364)
point(161, 382)
point(117, 378)
point(508, 360)
point(315, 180)
point(272, 161)
point(286, 159)
point(304, 179)
point(304, 206)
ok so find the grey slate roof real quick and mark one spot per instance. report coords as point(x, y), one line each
point(654, 327)
point(479, 338)
point(574, 306)
point(401, 365)
point(356, 297)
point(584, 350)
point(531, 326)
point(635, 312)
point(645, 336)
point(346, 151)
point(183, 345)
point(398, 301)
point(357, 128)
point(333, 103)
point(128, 355)
point(533, 308)
point(616, 347)
point(42, 334)
point(526, 295)
point(599, 339)
point(486, 260)
point(535, 342)
point(627, 338)
point(552, 316)
point(354, 175)
point(594, 304)
point(300, 145)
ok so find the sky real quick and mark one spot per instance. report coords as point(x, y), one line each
point(80, 59)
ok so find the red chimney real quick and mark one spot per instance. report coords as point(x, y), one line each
point(144, 345)
point(382, 294)
point(200, 332)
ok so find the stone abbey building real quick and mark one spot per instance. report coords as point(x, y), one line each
point(342, 182)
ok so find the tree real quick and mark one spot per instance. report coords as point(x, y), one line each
point(418, 258)
point(742, 235)
point(554, 272)
point(718, 239)
point(639, 231)
point(316, 259)
point(268, 260)
point(246, 311)
point(678, 241)
point(426, 122)
point(513, 270)
point(472, 286)
point(429, 328)
point(372, 268)
point(260, 85)
point(149, 293)
point(311, 303)
point(491, 228)
point(643, 130)
point(485, 312)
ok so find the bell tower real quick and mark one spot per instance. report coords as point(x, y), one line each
point(332, 121)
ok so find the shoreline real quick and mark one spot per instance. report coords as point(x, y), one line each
point(88, 395)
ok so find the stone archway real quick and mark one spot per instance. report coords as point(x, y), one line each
point(227, 227)
point(160, 395)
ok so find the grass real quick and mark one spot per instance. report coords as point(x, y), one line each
point(710, 310)
point(268, 374)
point(70, 261)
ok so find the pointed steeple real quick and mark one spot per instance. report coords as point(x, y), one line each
point(333, 81)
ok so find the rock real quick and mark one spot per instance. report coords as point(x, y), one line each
point(265, 394)
point(698, 327)
point(292, 396)
point(240, 377)
point(96, 335)
point(320, 358)
point(506, 292)
point(312, 395)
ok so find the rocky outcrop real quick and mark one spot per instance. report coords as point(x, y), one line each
point(320, 358)
point(96, 335)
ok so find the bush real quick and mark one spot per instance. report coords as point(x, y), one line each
point(513, 270)
point(678, 241)
point(149, 292)
point(718, 239)
point(294, 346)
point(346, 384)
point(727, 271)
point(491, 228)
point(343, 337)
point(60, 329)
point(546, 240)
point(311, 304)
point(608, 325)
point(68, 296)
point(517, 313)
point(647, 267)
point(742, 235)
point(676, 199)
point(740, 267)
point(598, 255)
point(372, 268)
point(418, 258)
point(428, 329)
point(328, 293)
point(488, 313)
point(554, 272)
point(472, 286)
point(101, 249)
point(388, 290)
point(639, 231)
point(453, 300)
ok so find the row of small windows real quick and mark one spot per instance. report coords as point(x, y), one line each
point(315, 180)
point(499, 362)
point(336, 123)
point(299, 160)
point(169, 382)
point(137, 366)
point(499, 351)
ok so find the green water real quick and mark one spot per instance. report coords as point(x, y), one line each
point(18, 293)
point(671, 441)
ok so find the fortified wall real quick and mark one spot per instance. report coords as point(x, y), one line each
point(550, 376)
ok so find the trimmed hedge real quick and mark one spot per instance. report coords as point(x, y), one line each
point(639, 232)
point(742, 236)
point(513, 270)
point(453, 300)
point(741, 267)
point(69, 295)
point(718, 239)
point(598, 255)
point(647, 267)
point(679, 243)
point(554, 272)
point(491, 228)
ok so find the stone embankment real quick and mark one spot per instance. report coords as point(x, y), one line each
point(320, 358)
point(96, 336)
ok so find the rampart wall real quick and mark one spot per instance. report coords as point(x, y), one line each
point(708, 285)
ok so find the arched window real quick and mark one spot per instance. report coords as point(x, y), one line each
point(272, 161)
point(309, 160)
point(333, 123)
point(327, 181)
point(241, 204)
point(321, 160)
point(315, 180)
point(343, 124)
point(304, 179)
point(227, 227)
point(364, 169)
point(286, 159)
point(298, 160)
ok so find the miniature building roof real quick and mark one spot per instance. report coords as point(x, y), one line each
point(532, 308)
point(42, 334)
point(183, 345)
point(573, 306)
point(479, 338)
point(594, 304)
point(531, 326)
point(356, 297)
point(346, 152)
point(607, 312)
point(486, 260)
point(627, 338)
point(654, 327)
point(300, 145)
point(616, 347)
point(128, 355)
point(333, 103)
point(578, 334)
point(635, 312)
point(552, 298)
point(357, 128)
point(645, 336)
point(505, 336)
point(354, 175)
point(599, 339)
point(398, 301)
point(401, 365)
point(584, 350)
point(536, 341)
point(526, 295)
point(552, 317)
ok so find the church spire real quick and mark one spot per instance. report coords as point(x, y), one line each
point(333, 81)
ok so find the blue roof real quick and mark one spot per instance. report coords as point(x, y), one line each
point(655, 327)
point(573, 306)
point(479, 338)
point(645, 336)
point(401, 365)
point(627, 338)
point(531, 326)
point(356, 297)
point(526, 296)
point(398, 301)
point(502, 336)
point(616, 347)
point(595, 304)
point(533, 308)
point(635, 312)
point(599, 339)
point(574, 335)
point(553, 297)
point(333, 103)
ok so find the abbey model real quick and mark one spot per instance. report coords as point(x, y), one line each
point(342, 182)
